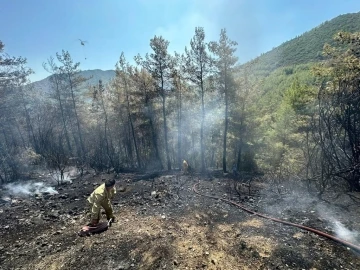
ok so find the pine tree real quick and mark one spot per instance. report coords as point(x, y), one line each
point(158, 64)
point(225, 61)
point(198, 67)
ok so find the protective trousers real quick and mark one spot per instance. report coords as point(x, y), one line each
point(107, 207)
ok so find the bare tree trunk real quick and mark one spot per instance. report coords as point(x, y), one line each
point(202, 128)
point(135, 143)
point(165, 126)
point(129, 145)
point(58, 95)
point(226, 120)
point(30, 130)
point(77, 118)
point(238, 163)
point(131, 122)
point(166, 136)
point(56, 79)
point(109, 155)
point(225, 132)
point(64, 125)
point(154, 140)
point(179, 128)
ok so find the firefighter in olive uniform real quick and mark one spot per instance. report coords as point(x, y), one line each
point(101, 198)
point(185, 167)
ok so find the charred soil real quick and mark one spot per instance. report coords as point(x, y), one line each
point(163, 224)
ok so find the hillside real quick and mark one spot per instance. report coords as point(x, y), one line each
point(93, 78)
point(305, 48)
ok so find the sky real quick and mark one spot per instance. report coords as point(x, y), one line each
point(38, 29)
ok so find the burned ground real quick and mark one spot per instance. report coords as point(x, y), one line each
point(163, 224)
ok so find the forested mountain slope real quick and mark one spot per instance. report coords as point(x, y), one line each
point(307, 47)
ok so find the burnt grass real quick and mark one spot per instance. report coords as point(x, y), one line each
point(163, 224)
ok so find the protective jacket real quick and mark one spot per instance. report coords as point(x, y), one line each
point(185, 166)
point(101, 198)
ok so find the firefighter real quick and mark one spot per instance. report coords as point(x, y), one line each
point(235, 171)
point(101, 198)
point(185, 167)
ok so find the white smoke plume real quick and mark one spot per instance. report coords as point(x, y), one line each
point(336, 226)
point(297, 200)
point(26, 189)
point(68, 175)
point(344, 233)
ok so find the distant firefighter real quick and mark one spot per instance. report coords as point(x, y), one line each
point(185, 167)
point(235, 171)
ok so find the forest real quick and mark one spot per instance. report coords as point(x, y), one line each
point(272, 147)
point(298, 123)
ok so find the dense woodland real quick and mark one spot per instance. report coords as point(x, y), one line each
point(298, 121)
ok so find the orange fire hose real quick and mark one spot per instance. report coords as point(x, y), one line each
point(346, 243)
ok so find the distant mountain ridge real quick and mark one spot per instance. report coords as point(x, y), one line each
point(93, 78)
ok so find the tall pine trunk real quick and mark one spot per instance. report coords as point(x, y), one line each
point(132, 125)
point(225, 133)
point(109, 155)
point(202, 128)
point(154, 139)
point(179, 128)
point(226, 121)
point(165, 127)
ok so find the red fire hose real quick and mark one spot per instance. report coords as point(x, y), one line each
point(346, 243)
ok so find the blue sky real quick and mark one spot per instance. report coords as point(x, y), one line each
point(37, 29)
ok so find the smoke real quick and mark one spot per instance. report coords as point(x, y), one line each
point(27, 189)
point(297, 202)
point(345, 233)
point(336, 226)
point(191, 127)
point(68, 175)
